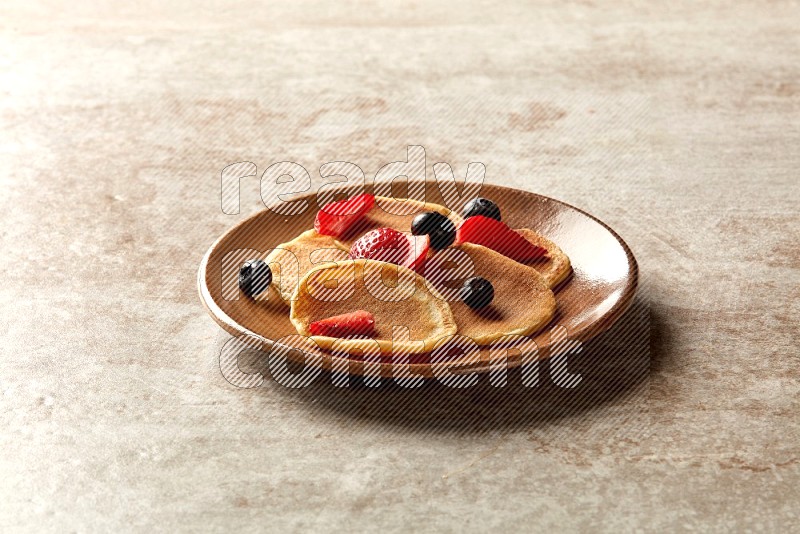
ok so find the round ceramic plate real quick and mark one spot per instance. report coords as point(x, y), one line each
point(600, 289)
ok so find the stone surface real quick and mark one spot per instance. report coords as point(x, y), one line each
point(678, 124)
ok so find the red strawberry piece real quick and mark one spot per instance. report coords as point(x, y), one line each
point(499, 237)
point(357, 323)
point(336, 218)
point(420, 245)
point(391, 246)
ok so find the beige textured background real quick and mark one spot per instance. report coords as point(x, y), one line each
point(678, 123)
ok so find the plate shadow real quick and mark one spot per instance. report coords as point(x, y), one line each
point(612, 366)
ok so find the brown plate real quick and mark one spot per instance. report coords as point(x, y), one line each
point(601, 287)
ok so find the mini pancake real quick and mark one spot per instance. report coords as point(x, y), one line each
point(555, 267)
point(392, 213)
point(522, 304)
point(351, 285)
point(289, 261)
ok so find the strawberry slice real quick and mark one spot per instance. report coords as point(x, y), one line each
point(357, 323)
point(499, 237)
point(391, 246)
point(420, 245)
point(336, 218)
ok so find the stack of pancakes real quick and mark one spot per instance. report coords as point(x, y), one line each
point(414, 313)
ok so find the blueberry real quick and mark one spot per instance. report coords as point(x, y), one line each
point(440, 229)
point(477, 292)
point(481, 206)
point(254, 277)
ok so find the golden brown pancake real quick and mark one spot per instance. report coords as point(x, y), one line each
point(397, 214)
point(290, 261)
point(352, 285)
point(522, 304)
point(555, 267)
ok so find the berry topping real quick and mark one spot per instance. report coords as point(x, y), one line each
point(357, 323)
point(383, 244)
point(440, 229)
point(499, 237)
point(336, 218)
point(254, 277)
point(391, 246)
point(481, 206)
point(477, 292)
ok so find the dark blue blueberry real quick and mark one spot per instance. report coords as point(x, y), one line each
point(481, 206)
point(254, 277)
point(477, 292)
point(440, 229)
